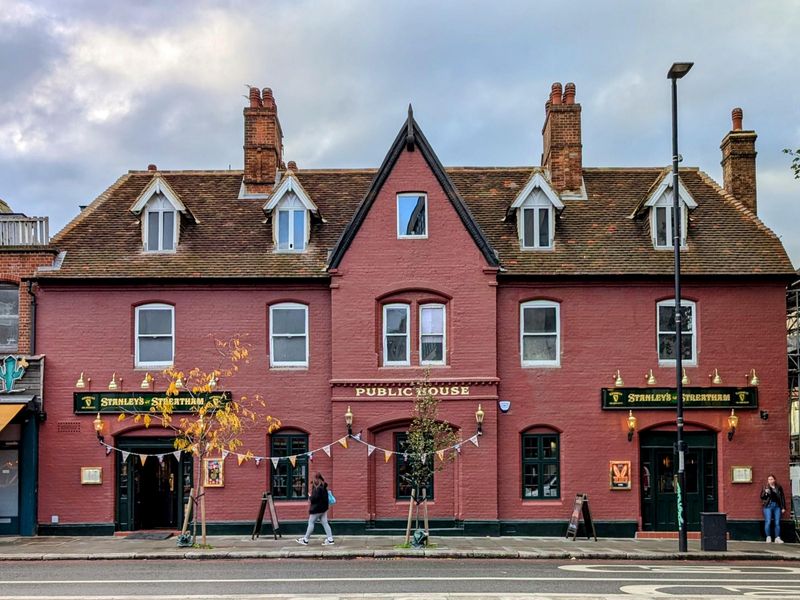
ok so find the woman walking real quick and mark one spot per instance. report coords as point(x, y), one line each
point(774, 503)
point(318, 511)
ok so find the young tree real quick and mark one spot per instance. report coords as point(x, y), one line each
point(216, 424)
point(795, 166)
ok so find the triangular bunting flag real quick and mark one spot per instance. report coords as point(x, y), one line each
point(143, 458)
point(240, 458)
point(357, 437)
point(474, 439)
point(387, 454)
point(258, 460)
point(125, 455)
point(224, 454)
point(311, 456)
point(177, 454)
point(405, 457)
point(424, 458)
point(458, 448)
point(343, 442)
point(370, 449)
point(108, 450)
point(440, 454)
point(293, 460)
point(275, 462)
point(326, 450)
point(160, 458)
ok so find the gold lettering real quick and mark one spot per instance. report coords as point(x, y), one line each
point(381, 391)
point(407, 392)
point(465, 390)
point(359, 391)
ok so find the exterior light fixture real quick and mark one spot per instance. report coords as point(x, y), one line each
point(733, 423)
point(148, 379)
point(753, 378)
point(82, 382)
point(685, 378)
point(618, 379)
point(98, 427)
point(348, 419)
point(631, 425)
point(113, 385)
point(212, 383)
point(479, 414)
point(715, 378)
point(179, 383)
point(651, 379)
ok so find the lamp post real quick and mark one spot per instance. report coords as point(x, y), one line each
point(676, 71)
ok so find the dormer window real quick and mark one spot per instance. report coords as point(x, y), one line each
point(291, 210)
point(662, 224)
point(536, 207)
point(159, 207)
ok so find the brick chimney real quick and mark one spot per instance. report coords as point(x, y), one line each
point(739, 162)
point(562, 149)
point(263, 142)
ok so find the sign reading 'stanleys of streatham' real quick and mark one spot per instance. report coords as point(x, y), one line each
point(131, 402)
point(693, 397)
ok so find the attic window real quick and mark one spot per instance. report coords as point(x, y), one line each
point(660, 202)
point(160, 225)
point(290, 224)
point(536, 207)
point(412, 221)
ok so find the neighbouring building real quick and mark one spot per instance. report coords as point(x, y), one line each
point(543, 294)
point(24, 247)
point(793, 355)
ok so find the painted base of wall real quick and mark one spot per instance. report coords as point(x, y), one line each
point(739, 530)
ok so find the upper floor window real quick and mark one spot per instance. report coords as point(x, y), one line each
point(540, 343)
point(396, 346)
point(666, 331)
point(291, 224)
point(412, 216)
point(155, 335)
point(536, 207)
point(160, 225)
point(9, 317)
point(660, 203)
point(289, 481)
point(431, 334)
point(288, 339)
point(540, 466)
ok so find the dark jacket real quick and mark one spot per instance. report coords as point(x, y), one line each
point(318, 501)
point(776, 496)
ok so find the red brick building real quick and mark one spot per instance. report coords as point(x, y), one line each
point(543, 294)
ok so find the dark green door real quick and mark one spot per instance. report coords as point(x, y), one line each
point(659, 491)
point(151, 494)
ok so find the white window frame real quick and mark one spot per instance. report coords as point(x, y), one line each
point(165, 206)
point(152, 364)
point(667, 203)
point(537, 201)
point(407, 361)
point(291, 204)
point(12, 318)
point(273, 335)
point(684, 304)
point(522, 334)
point(402, 236)
point(437, 305)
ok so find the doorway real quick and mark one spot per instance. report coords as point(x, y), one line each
point(659, 465)
point(9, 488)
point(151, 493)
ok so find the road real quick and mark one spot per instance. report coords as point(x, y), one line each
point(427, 579)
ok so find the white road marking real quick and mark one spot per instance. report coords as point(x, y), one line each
point(682, 568)
point(763, 591)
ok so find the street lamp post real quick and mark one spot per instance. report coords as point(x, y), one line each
point(676, 71)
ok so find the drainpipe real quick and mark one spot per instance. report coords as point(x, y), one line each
point(33, 318)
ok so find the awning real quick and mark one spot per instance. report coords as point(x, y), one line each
point(8, 412)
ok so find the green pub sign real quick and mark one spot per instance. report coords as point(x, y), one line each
point(131, 402)
point(693, 397)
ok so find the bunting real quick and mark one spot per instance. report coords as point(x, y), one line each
point(343, 442)
point(240, 458)
point(327, 450)
point(440, 454)
point(160, 458)
point(387, 454)
point(370, 449)
point(143, 458)
point(275, 460)
point(293, 460)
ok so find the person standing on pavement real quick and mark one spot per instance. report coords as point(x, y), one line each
point(318, 511)
point(774, 503)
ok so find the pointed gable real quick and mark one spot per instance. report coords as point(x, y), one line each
point(410, 139)
point(158, 185)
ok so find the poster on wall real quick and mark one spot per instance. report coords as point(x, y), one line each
point(620, 475)
point(213, 475)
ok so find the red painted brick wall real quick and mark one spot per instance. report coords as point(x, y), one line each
point(14, 265)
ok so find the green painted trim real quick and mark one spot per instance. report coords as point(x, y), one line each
point(77, 529)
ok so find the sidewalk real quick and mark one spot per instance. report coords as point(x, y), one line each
point(241, 547)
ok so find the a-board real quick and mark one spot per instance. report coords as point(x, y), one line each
point(581, 507)
point(266, 500)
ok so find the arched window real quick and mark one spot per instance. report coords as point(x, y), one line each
point(9, 317)
point(289, 481)
point(541, 466)
point(160, 225)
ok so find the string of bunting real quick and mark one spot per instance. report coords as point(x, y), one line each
point(387, 454)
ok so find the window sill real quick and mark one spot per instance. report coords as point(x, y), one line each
point(276, 251)
point(159, 251)
point(541, 365)
point(288, 367)
point(152, 367)
point(412, 237)
point(542, 501)
point(670, 364)
point(537, 249)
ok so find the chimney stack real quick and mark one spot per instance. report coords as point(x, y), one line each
point(739, 162)
point(263, 142)
point(562, 149)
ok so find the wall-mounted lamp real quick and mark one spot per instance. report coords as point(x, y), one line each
point(631, 425)
point(82, 381)
point(98, 427)
point(348, 419)
point(114, 385)
point(618, 379)
point(752, 378)
point(715, 378)
point(146, 382)
point(179, 383)
point(685, 378)
point(479, 414)
point(733, 423)
point(212, 383)
point(763, 414)
point(651, 379)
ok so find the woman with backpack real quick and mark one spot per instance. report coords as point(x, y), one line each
point(318, 511)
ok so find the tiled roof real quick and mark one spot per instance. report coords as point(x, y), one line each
point(596, 236)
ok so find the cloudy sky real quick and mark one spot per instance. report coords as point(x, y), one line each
point(91, 89)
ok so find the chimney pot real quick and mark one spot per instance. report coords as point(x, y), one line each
point(555, 93)
point(736, 117)
point(152, 167)
point(255, 98)
point(292, 165)
point(569, 93)
point(268, 99)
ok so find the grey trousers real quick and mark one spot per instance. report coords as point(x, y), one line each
point(322, 518)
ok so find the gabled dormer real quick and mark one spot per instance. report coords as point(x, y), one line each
point(290, 209)
point(159, 209)
point(659, 206)
point(535, 209)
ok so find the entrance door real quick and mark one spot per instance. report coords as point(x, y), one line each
point(151, 495)
point(9, 488)
point(659, 480)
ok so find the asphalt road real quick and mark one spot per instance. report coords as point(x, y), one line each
point(406, 578)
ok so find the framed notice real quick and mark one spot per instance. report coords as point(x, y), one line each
point(91, 475)
point(743, 474)
point(213, 474)
point(619, 475)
